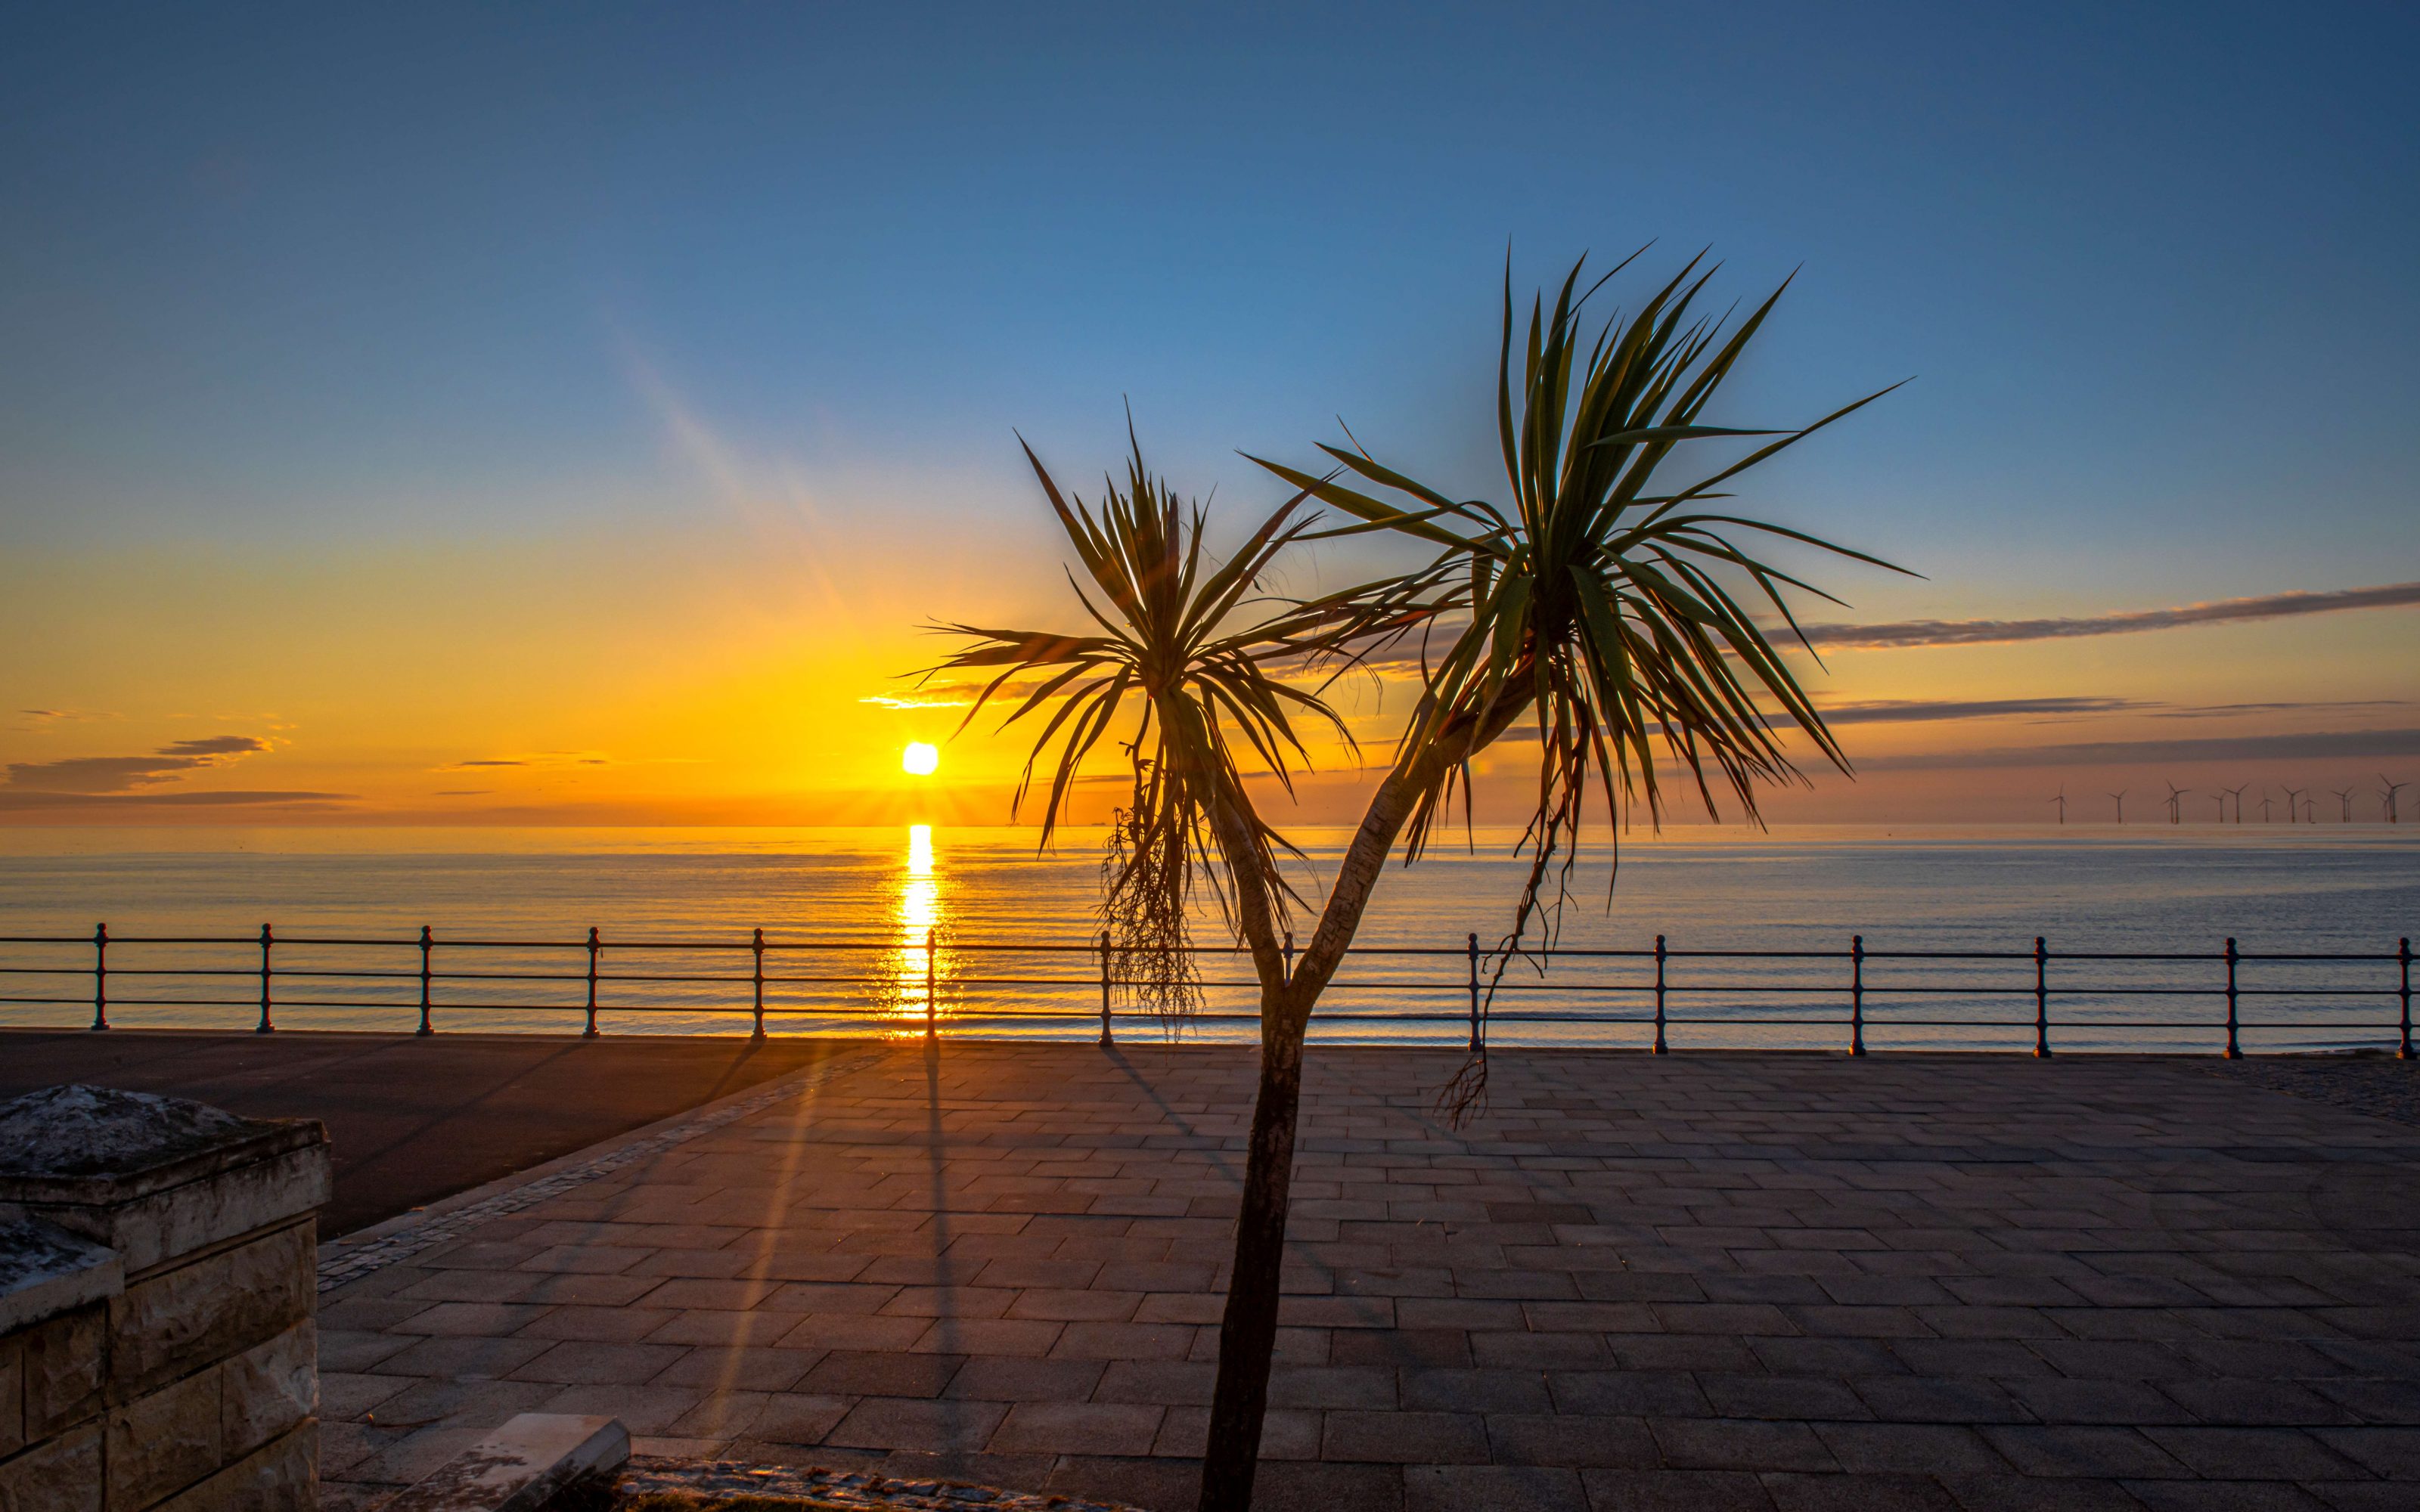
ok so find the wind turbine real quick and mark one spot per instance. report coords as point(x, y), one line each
point(2294, 804)
point(2344, 796)
point(2218, 796)
point(2386, 791)
point(2175, 793)
point(2237, 794)
point(2264, 806)
point(2062, 801)
point(2119, 797)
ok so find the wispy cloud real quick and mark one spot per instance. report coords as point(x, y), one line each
point(888, 701)
point(2315, 745)
point(554, 759)
point(15, 801)
point(1926, 711)
point(2230, 711)
point(51, 719)
point(1995, 632)
point(125, 773)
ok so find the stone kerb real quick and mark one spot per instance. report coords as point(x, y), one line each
point(156, 1303)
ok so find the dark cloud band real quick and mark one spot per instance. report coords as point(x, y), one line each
point(1996, 632)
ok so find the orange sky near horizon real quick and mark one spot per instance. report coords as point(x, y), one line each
point(634, 677)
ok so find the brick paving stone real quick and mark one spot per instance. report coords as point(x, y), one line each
point(1570, 1438)
point(1738, 1443)
point(1473, 1391)
point(1781, 1397)
point(1027, 1380)
point(1496, 1487)
point(915, 1423)
point(1675, 1491)
point(2054, 1450)
point(1702, 1281)
point(2027, 1493)
point(643, 1409)
point(1077, 1428)
point(2248, 1454)
point(1406, 1437)
point(1909, 1448)
point(1856, 1493)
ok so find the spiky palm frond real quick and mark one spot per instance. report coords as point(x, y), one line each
point(1599, 596)
point(1175, 634)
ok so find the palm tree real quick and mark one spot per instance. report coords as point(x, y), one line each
point(1594, 601)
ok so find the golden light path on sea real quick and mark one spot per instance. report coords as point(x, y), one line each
point(922, 920)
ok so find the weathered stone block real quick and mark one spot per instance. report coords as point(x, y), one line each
point(157, 1349)
point(268, 1389)
point(166, 1442)
point(169, 1323)
point(280, 1477)
point(521, 1466)
point(154, 1177)
point(65, 1363)
point(44, 1271)
point(62, 1475)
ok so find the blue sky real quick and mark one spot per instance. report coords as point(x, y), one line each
point(285, 279)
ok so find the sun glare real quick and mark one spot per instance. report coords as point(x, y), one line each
point(920, 760)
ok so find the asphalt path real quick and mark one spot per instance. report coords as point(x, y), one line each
point(413, 1119)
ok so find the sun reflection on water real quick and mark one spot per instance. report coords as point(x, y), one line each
point(920, 967)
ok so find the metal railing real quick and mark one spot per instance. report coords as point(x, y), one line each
point(1590, 997)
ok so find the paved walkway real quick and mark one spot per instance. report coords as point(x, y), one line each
point(412, 1120)
point(1701, 1282)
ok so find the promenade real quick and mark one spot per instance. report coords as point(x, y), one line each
point(410, 1120)
point(1716, 1281)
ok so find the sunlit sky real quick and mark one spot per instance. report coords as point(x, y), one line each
point(492, 415)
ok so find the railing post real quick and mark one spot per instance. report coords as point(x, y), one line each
point(1104, 989)
point(100, 978)
point(427, 942)
point(594, 947)
point(264, 1027)
point(2233, 1051)
point(756, 944)
point(2403, 959)
point(932, 1027)
point(1856, 995)
point(1660, 1047)
point(1474, 992)
point(1289, 958)
point(2042, 999)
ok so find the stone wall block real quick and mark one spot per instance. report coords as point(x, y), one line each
point(166, 1442)
point(12, 1395)
point(282, 1475)
point(65, 1361)
point(268, 1389)
point(182, 1219)
point(62, 1475)
point(157, 1342)
point(167, 1324)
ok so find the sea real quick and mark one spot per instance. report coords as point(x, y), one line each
point(1818, 938)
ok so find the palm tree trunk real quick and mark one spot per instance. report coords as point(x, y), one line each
point(1248, 1331)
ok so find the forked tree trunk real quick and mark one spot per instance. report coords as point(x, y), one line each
point(1248, 1330)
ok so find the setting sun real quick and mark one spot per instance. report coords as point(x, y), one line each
point(920, 759)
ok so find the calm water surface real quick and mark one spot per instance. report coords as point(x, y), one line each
point(866, 900)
